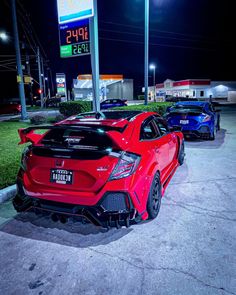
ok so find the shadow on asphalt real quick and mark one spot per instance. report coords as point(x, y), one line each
point(208, 144)
point(41, 228)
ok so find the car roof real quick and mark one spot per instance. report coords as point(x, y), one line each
point(113, 118)
point(193, 103)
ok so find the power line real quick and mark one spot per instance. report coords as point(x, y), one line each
point(156, 44)
point(152, 35)
point(191, 36)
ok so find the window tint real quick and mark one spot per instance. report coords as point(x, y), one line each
point(149, 130)
point(80, 139)
point(162, 127)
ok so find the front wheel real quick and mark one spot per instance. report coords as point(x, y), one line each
point(154, 198)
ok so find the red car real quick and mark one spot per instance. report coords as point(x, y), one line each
point(10, 108)
point(111, 168)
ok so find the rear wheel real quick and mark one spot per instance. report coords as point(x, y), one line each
point(181, 154)
point(212, 135)
point(218, 124)
point(154, 198)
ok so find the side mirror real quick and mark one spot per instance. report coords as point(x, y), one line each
point(175, 128)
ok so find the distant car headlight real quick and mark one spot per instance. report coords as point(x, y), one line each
point(206, 118)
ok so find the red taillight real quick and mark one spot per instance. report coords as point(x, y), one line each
point(127, 164)
point(206, 118)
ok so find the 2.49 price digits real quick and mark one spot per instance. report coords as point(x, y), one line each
point(77, 35)
point(81, 48)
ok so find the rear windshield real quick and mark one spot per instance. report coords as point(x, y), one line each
point(111, 115)
point(77, 139)
point(186, 108)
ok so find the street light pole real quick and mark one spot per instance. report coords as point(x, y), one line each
point(153, 67)
point(20, 77)
point(40, 76)
point(93, 24)
point(146, 51)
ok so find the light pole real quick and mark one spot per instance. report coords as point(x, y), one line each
point(153, 67)
point(20, 77)
point(146, 50)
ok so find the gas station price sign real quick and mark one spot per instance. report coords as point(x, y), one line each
point(74, 39)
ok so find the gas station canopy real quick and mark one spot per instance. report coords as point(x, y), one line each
point(85, 81)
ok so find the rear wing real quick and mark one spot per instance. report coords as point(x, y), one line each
point(29, 135)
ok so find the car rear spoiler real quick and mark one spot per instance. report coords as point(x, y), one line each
point(28, 135)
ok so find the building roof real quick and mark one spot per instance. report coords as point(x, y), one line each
point(195, 103)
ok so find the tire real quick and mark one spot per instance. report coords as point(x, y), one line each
point(218, 125)
point(181, 154)
point(212, 135)
point(154, 198)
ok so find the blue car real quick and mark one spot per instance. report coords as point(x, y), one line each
point(112, 102)
point(197, 119)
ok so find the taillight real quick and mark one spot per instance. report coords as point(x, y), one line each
point(206, 118)
point(127, 164)
point(25, 155)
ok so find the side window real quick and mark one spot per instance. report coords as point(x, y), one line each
point(149, 131)
point(162, 127)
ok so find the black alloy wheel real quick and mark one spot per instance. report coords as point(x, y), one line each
point(154, 198)
point(181, 154)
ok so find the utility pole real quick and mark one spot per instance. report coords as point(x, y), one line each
point(146, 54)
point(29, 74)
point(93, 24)
point(43, 77)
point(20, 77)
point(40, 76)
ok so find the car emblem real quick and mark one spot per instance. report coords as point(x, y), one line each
point(102, 168)
point(59, 163)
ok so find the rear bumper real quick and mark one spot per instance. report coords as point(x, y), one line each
point(114, 209)
point(201, 132)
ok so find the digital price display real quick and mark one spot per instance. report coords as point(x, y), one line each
point(74, 39)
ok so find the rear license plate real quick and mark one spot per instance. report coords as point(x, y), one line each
point(61, 176)
point(184, 122)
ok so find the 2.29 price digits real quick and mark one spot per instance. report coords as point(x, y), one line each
point(81, 48)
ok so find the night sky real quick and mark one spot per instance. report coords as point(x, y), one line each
point(188, 39)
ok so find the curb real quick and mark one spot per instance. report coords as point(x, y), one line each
point(7, 193)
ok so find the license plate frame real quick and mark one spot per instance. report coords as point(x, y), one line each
point(184, 122)
point(61, 176)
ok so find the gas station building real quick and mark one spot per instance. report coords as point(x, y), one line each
point(111, 86)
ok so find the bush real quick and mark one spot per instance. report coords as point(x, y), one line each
point(71, 108)
point(141, 97)
point(158, 107)
point(56, 119)
point(38, 119)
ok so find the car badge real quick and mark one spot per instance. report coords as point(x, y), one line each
point(59, 163)
point(102, 168)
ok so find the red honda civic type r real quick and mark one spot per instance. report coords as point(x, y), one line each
point(110, 167)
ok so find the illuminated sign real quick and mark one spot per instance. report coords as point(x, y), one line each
point(61, 84)
point(73, 10)
point(74, 39)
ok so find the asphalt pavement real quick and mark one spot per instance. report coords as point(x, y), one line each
point(188, 250)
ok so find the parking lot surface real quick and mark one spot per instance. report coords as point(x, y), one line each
point(188, 250)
